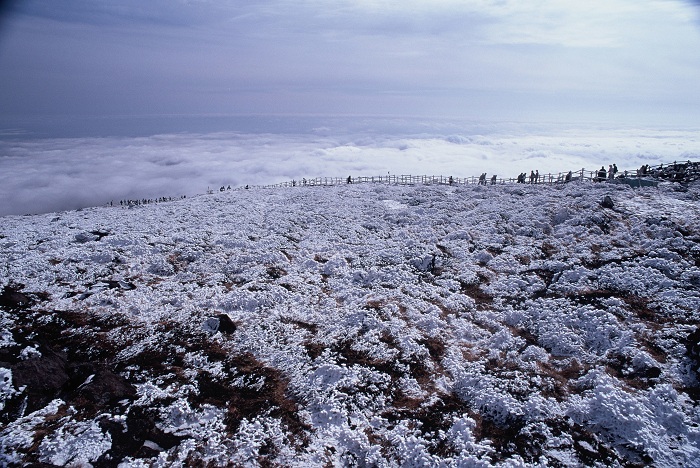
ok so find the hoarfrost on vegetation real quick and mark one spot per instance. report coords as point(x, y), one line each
point(357, 325)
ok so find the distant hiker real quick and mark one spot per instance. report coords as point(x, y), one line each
point(568, 177)
point(601, 174)
point(246, 187)
point(537, 176)
point(611, 174)
point(532, 176)
point(493, 179)
point(451, 180)
point(294, 183)
point(349, 181)
point(614, 169)
point(482, 179)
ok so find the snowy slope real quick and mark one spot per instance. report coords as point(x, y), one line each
point(365, 325)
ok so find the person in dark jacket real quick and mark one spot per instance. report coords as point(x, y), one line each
point(601, 174)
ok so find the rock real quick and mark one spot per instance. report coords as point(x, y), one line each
point(607, 202)
point(83, 237)
point(100, 233)
point(221, 323)
point(226, 325)
point(652, 373)
point(102, 386)
point(211, 325)
point(44, 377)
point(12, 299)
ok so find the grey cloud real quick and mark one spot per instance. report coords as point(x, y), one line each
point(350, 58)
point(111, 12)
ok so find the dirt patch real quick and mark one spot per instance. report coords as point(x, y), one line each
point(483, 300)
point(275, 272)
point(14, 298)
point(266, 393)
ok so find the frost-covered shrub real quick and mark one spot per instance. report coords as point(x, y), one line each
point(75, 444)
point(262, 434)
point(335, 265)
point(180, 419)
point(161, 267)
point(6, 388)
point(375, 326)
point(648, 427)
point(639, 280)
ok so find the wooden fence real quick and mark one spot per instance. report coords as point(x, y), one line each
point(678, 172)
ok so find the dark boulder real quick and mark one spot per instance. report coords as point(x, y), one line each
point(607, 202)
point(226, 325)
point(44, 377)
point(13, 299)
point(100, 385)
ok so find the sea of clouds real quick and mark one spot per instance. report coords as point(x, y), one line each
point(39, 175)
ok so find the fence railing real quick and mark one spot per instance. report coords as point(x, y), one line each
point(680, 172)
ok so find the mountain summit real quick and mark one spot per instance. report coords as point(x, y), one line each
point(358, 325)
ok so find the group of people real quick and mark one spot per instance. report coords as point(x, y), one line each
point(644, 170)
point(603, 174)
point(303, 181)
point(534, 177)
point(482, 179)
point(678, 172)
point(145, 201)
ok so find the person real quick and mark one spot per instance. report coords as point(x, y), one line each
point(537, 176)
point(611, 174)
point(493, 179)
point(482, 179)
point(568, 177)
point(614, 169)
point(601, 174)
point(349, 180)
point(532, 177)
point(451, 180)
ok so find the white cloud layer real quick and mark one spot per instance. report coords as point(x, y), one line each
point(44, 175)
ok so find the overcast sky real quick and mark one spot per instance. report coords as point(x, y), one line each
point(598, 60)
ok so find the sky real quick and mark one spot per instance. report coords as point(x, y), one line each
point(599, 60)
point(102, 100)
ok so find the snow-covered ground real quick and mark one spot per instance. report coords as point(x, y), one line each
point(362, 325)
